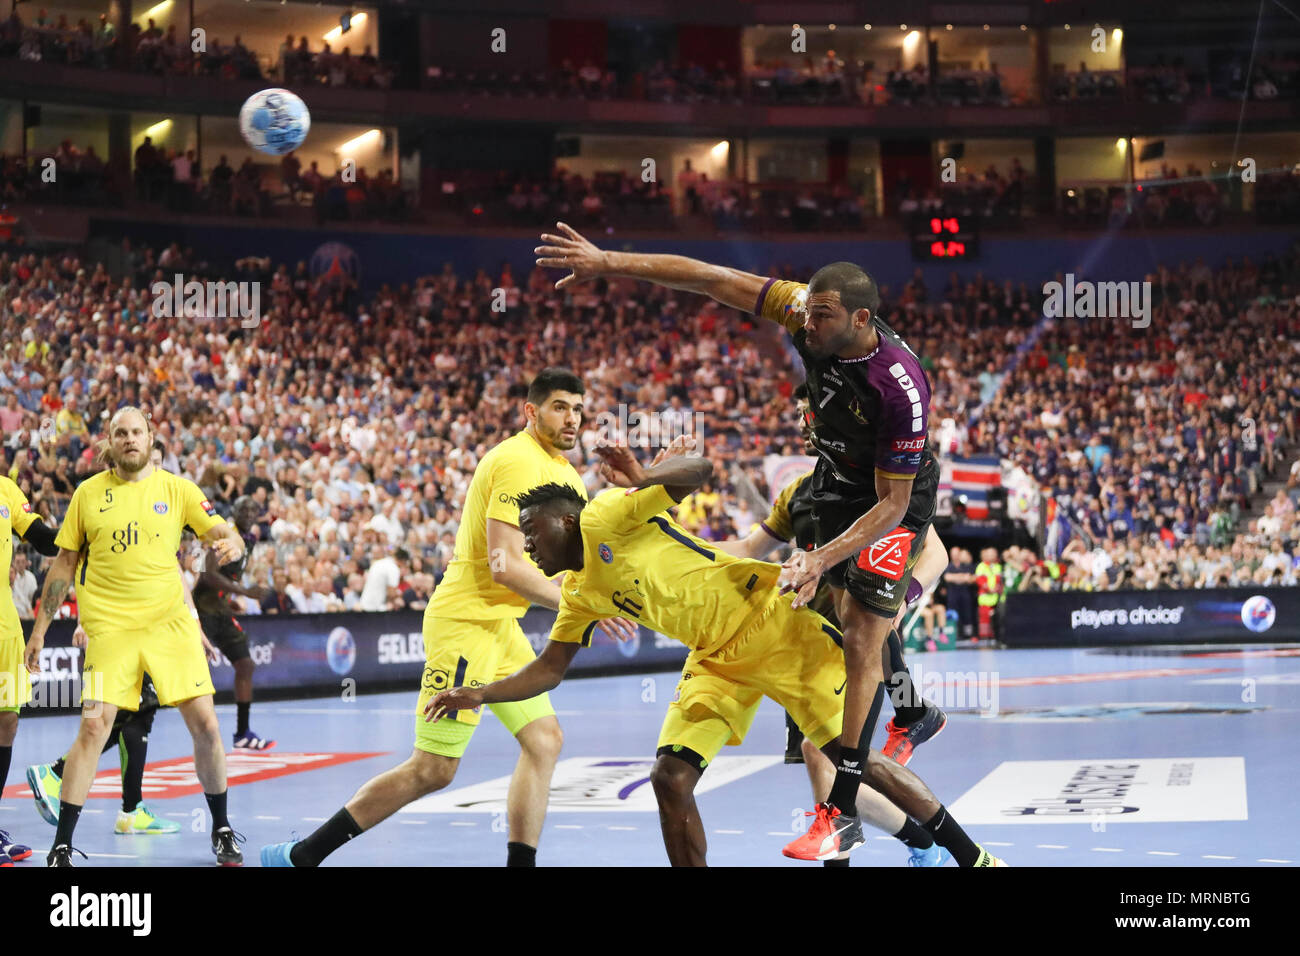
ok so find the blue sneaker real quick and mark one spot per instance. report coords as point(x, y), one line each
point(934, 855)
point(46, 787)
point(12, 851)
point(277, 854)
point(249, 740)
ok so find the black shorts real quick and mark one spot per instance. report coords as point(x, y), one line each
point(226, 636)
point(878, 577)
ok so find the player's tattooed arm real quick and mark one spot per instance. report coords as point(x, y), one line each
point(57, 582)
point(573, 251)
point(680, 475)
point(536, 677)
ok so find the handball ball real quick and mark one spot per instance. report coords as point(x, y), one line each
point(274, 121)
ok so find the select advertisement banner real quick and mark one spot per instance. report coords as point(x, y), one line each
point(318, 652)
point(1092, 618)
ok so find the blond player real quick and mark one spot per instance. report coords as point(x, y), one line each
point(118, 542)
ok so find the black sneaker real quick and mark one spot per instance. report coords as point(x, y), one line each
point(61, 855)
point(225, 844)
point(903, 741)
point(793, 741)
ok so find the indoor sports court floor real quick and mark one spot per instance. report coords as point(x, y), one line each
point(1199, 743)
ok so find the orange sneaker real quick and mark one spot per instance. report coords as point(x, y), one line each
point(832, 836)
point(903, 741)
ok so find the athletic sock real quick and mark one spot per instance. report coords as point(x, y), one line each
point(521, 854)
point(843, 862)
point(217, 807)
point(56, 768)
point(909, 706)
point(329, 836)
point(241, 716)
point(915, 836)
point(133, 744)
point(6, 755)
point(848, 772)
point(953, 838)
point(69, 814)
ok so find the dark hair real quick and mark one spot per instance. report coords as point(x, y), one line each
point(553, 380)
point(159, 446)
point(857, 289)
point(550, 493)
point(801, 393)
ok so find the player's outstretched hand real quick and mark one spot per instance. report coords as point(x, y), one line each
point(800, 573)
point(619, 466)
point(619, 628)
point(570, 250)
point(227, 550)
point(458, 698)
point(679, 446)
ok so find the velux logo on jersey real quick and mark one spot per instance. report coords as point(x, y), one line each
point(206, 506)
point(913, 393)
point(888, 556)
point(909, 444)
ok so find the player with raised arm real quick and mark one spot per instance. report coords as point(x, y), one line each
point(623, 552)
point(874, 488)
point(472, 637)
point(16, 518)
point(118, 541)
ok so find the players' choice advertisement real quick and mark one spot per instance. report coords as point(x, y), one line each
point(313, 653)
point(1214, 615)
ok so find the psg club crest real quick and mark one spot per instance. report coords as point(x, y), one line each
point(606, 554)
point(160, 507)
point(4, 511)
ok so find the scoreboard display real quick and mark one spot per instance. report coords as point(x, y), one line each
point(945, 238)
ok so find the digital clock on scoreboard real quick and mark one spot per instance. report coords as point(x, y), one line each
point(944, 238)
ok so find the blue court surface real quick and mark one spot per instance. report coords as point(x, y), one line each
point(1141, 757)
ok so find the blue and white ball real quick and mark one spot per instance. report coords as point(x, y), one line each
point(274, 121)
point(1258, 613)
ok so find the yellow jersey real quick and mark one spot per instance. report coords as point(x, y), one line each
point(640, 564)
point(467, 591)
point(15, 518)
point(128, 533)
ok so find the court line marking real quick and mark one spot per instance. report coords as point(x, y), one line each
point(737, 832)
point(1160, 853)
point(1211, 856)
point(116, 856)
point(715, 831)
point(559, 826)
point(414, 823)
point(457, 823)
point(92, 811)
point(784, 833)
point(995, 843)
point(1106, 849)
point(313, 819)
point(259, 817)
point(1266, 860)
point(1051, 846)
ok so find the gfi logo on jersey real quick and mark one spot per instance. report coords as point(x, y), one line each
point(401, 648)
point(888, 556)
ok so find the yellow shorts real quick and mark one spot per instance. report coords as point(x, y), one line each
point(15, 682)
point(792, 656)
point(116, 661)
point(471, 654)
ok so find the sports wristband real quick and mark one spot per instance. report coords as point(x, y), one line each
point(914, 591)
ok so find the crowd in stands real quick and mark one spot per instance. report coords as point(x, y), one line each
point(150, 49)
point(995, 199)
point(324, 413)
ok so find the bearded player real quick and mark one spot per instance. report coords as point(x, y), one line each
point(874, 488)
point(119, 541)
